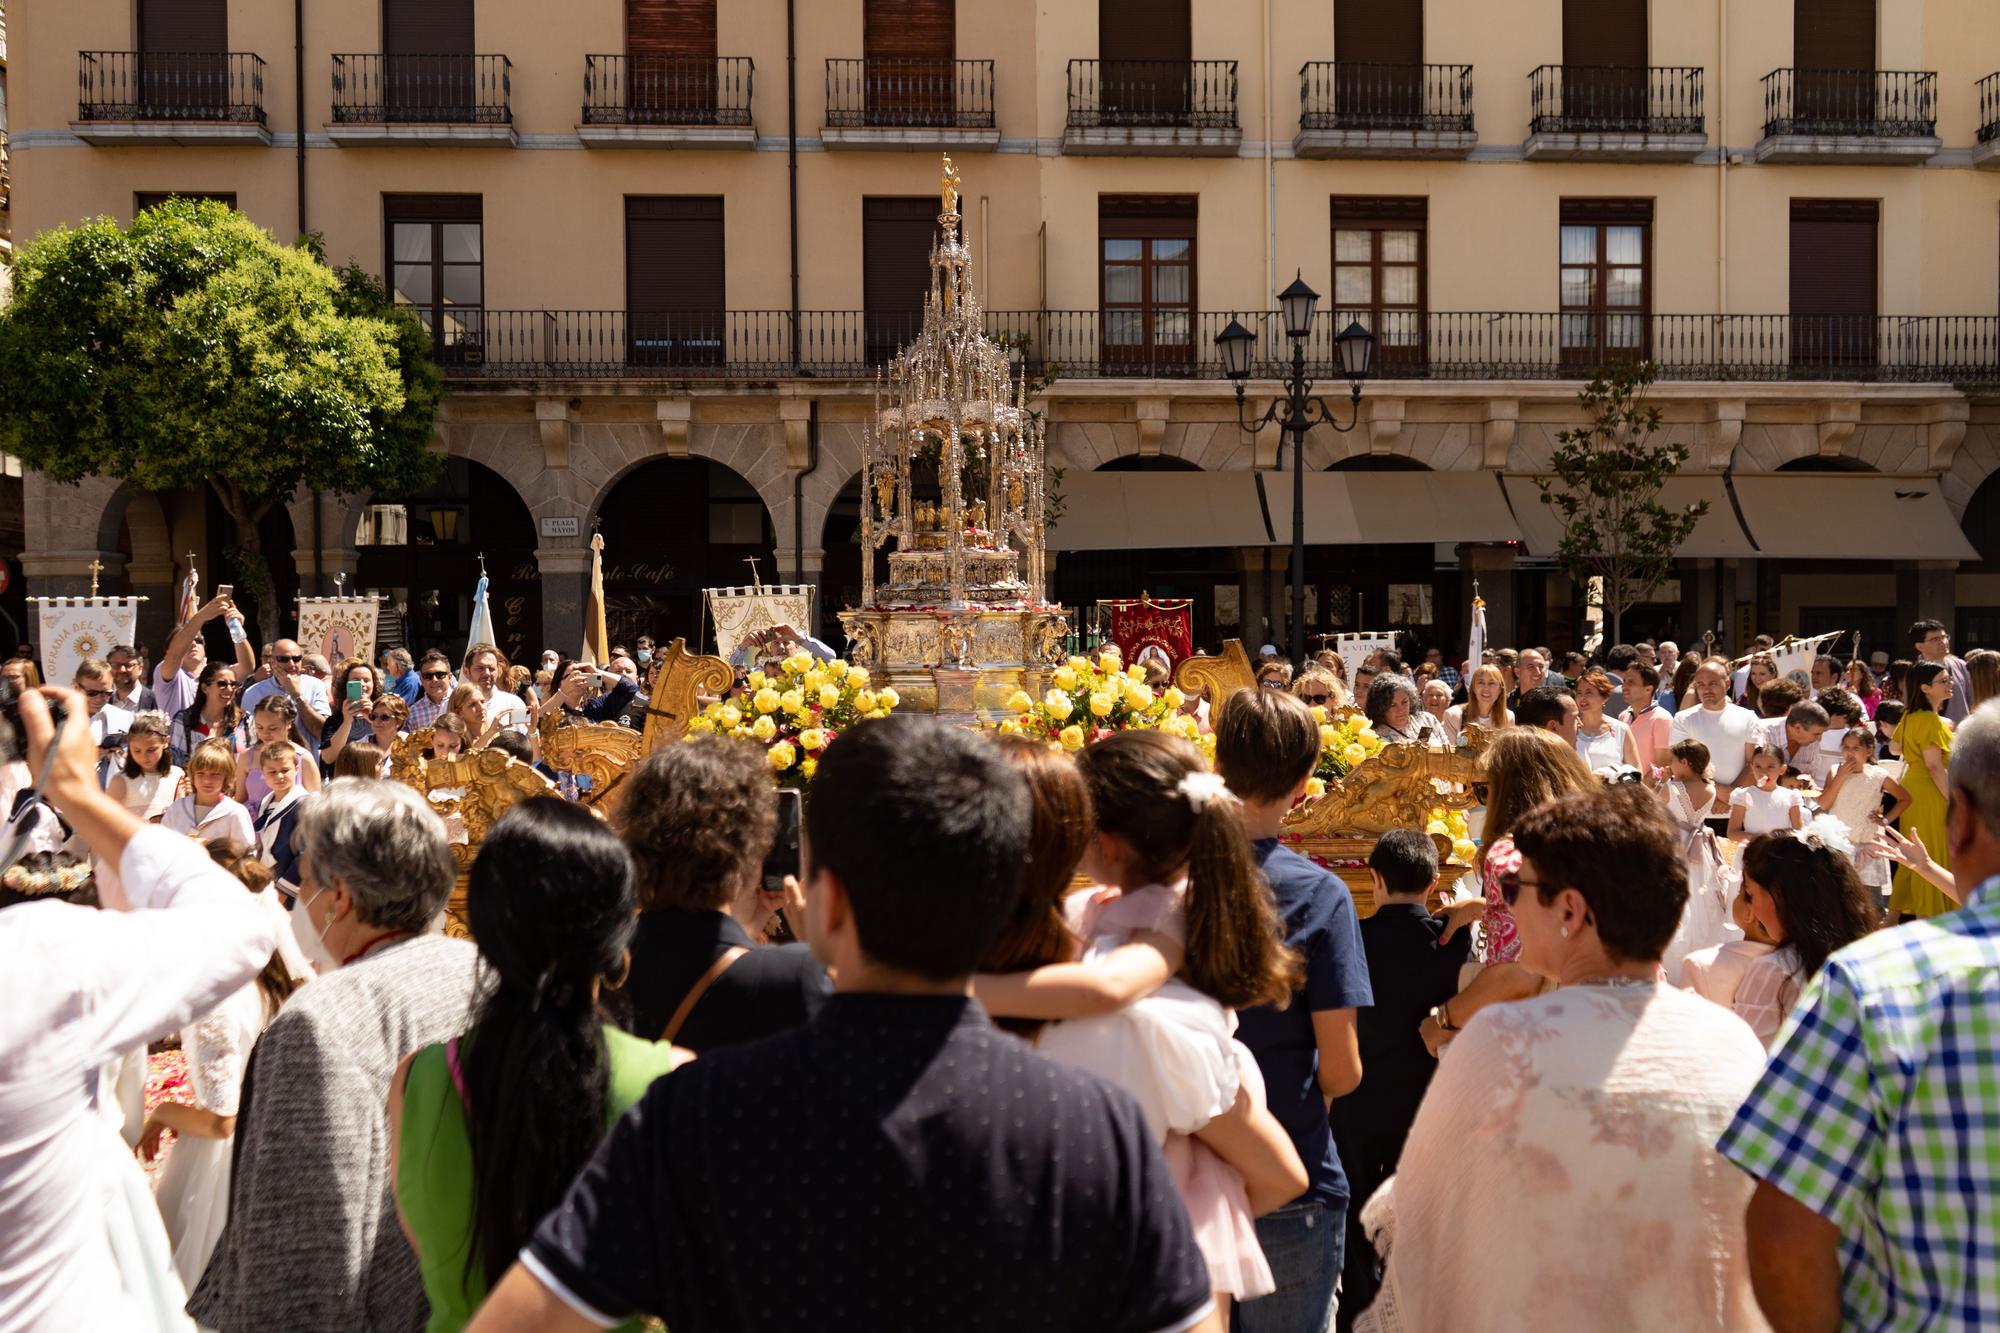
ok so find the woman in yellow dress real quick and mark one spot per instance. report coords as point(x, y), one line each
point(1923, 738)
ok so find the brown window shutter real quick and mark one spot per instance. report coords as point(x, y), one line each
point(1627, 211)
point(1833, 261)
point(1170, 215)
point(1145, 30)
point(674, 294)
point(1358, 210)
point(1833, 34)
point(1378, 32)
point(910, 29)
point(670, 28)
point(1605, 32)
point(427, 27)
point(432, 207)
point(896, 239)
point(184, 25)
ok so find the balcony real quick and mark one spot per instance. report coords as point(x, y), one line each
point(526, 345)
point(1152, 108)
point(1875, 116)
point(666, 102)
point(1601, 113)
point(1987, 153)
point(440, 101)
point(170, 97)
point(1383, 111)
point(891, 102)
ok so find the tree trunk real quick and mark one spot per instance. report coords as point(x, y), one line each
point(247, 515)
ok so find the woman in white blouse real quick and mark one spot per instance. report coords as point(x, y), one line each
point(1802, 889)
point(1602, 740)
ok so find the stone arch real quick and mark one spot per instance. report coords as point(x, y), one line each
point(1212, 446)
point(673, 526)
point(1882, 447)
point(1976, 459)
point(1981, 519)
point(1379, 463)
point(513, 449)
point(1435, 446)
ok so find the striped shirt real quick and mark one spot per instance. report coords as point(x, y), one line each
point(1880, 1110)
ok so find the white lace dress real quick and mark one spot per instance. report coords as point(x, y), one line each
point(1705, 921)
point(193, 1189)
point(1855, 805)
point(1767, 992)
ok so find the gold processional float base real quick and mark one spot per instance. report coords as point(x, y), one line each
point(961, 665)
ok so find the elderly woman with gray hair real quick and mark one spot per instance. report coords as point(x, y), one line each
point(1396, 712)
point(312, 1239)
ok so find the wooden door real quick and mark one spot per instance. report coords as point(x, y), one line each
point(910, 46)
point(670, 54)
point(427, 60)
point(674, 297)
point(1604, 63)
point(1833, 49)
point(1378, 50)
point(1833, 276)
point(183, 59)
point(1145, 51)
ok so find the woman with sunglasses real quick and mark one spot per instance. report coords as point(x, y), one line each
point(386, 715)
point(214, 712)
point(1583, 1122)
point(1317, 687)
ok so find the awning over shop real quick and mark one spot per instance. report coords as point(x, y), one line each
point(1717, 535)
point(1850, 516)
point(1379, 508)
point(1111, 511)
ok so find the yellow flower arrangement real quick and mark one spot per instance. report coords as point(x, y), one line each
point(1088, 700)
point(1343, 745)
point(795, 711)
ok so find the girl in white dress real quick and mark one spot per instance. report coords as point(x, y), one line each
point(193, 1190)
point(1690, 798)
point(1765, 807)
point(150, 779)
point(1854, 796)
point(1803, 890)
point(207, 813)
point(1181, 931)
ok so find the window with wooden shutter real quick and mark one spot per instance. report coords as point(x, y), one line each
point(427, 65)
point(896, 239)
point(674, 298)
point(1145, 52)
point(1833, 48)
point(1604, 60)
point(1833, 279)
point(1379, 273)
point(670, 57)
point(183, 55)
point(1146, 283)
point(910, 45)
point(1606, 255)
point(437, 267)
point(1378, 52)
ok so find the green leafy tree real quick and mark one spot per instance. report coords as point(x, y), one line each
point(192, 349)
point(1606, 486)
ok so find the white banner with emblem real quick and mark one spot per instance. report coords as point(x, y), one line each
point(742, 613)
point(1354, 650)
point(74, 629)
point(338, 627)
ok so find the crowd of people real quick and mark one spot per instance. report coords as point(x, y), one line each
point(1702, 1041)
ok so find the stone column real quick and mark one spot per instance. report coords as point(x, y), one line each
point(1254, 597)
point(565, 571)
point(1279, 580)
point(1493, 565)
point(1925, 590)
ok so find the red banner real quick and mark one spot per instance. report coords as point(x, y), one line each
point(1165, 627)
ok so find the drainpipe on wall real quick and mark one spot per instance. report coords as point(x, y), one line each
point(792, 160)
point(799, 505)
point(319, 547)
point(299, 104)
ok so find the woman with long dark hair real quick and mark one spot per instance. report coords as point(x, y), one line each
point(490, 1127)
point(1803, 890)
point(213, 713)
point(1036, 933)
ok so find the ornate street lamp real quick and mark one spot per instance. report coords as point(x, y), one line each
point(1298, 411)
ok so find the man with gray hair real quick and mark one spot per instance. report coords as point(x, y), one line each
point(400, 670)
point(312, 1239)
point(1872, 1134)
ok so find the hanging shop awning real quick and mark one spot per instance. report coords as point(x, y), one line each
point(1111, 511)
point(1717, 535)
point(1380, 508)
point(1850, 516)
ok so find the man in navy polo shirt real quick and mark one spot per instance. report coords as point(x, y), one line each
point(1266, 747)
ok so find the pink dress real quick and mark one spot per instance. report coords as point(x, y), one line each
point(1174, 1051)
point(1501, 938)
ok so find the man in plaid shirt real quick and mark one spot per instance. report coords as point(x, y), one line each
point(435, 675)
point(1874, 1133)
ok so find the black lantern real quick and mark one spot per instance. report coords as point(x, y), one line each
point(1356, 348)
point(1235, 343)
point(1297, 301)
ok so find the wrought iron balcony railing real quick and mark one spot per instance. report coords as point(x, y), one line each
point(1335, 95)
point(1604, 99)
point(375, 88)
point(1989, 108)
point(886, 92)
point(1865, 103)
point(1438, 345)
point(1167, 94)
point(170, 85)
point(666, 90)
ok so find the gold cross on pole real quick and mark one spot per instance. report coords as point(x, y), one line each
point(755, 580)
point(95, 567)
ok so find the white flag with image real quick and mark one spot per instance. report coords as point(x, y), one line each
point(76, 629)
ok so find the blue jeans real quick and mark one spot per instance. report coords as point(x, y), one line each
point(1303, 1242)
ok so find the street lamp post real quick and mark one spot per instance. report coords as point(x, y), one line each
point(1299, 411)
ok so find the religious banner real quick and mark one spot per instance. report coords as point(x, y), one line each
point(338, 627)
point(1354, 649)
point(1146, 629)
point(74, 629)
point(741, 614)
point(1798, 654)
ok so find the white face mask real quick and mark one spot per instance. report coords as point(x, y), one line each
point(312, 943)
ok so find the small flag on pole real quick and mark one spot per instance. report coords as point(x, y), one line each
point(596, 639)
point(1476, 648)
point(190, 598)
point(482, 615)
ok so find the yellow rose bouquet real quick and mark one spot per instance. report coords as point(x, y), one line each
point(1088, 700)
point(1342, 745)
point(795, 711)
